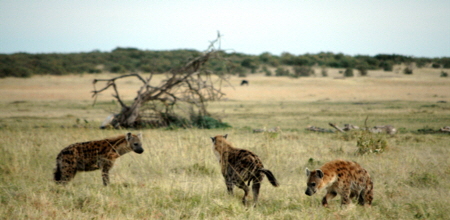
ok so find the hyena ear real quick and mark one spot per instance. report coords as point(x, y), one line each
point(128, 136)
point(225, 136)
point(319, 173)
point(307, 171)
point(140, 135)
point(213, 139)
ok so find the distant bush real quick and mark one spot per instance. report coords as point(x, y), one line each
point(266, 71)
point(387, 65)
point(94, 71)
point(241, 71)
point(303, 71)
point(436, 65)
point(362, 70)
point(348, 72)
point(324, 71)
point(251, 64)
point(198, 121)
point(282, 72)
point(121, 60)
point(445, 61)
point(444, 74)
point(117, 68)
point(408, 71)
point(206, 122)
point(15, 72)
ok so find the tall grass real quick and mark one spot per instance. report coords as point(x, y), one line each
point(178, 177)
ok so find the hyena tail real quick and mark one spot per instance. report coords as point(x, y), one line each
point(57, 174)
point(271, 177)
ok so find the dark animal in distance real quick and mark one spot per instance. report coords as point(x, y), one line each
point(244, 82)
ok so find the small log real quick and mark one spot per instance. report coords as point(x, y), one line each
point(336, 127)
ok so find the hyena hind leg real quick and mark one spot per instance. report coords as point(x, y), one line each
point(361, 198)
point(244, 187)
point(255, 188)
point(368, 196)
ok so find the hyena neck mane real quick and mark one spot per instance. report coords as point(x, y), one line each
point(328, 178)
point(119, 144)
point(222, 145)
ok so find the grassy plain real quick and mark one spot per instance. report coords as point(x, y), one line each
point(177, 177)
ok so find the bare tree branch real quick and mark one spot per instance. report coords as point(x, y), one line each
point(191, 84)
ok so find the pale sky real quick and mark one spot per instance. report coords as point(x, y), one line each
point(419, 28)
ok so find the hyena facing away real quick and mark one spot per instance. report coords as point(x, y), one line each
point(348, 179)
point(94, 155)
point(239, 166)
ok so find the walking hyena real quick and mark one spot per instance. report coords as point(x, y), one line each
point(348, 179)
point(94, 155)
point(239, 166)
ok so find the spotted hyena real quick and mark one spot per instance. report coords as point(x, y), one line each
point(94, 155)
point(348, 179)
point(239, 166)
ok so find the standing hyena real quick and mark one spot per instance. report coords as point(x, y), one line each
point(348, 179)
point(94, 155)
point(239, 166)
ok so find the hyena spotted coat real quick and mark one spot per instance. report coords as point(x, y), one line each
point(239, 166)
point(94, 155)
point(346, 178)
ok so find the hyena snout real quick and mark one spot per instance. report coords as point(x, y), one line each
point(138, 148)
point(309, 192)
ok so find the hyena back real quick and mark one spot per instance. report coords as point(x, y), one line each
point(346, 178)
point(94, 155)
point(239, 166)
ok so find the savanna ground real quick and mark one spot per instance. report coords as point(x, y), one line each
point(177, 177)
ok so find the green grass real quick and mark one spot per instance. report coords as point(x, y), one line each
point(177, 177)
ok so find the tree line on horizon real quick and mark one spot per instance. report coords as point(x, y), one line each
point(126, 60)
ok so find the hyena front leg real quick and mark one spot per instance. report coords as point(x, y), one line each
point(329, 196)
point(229, 180)
point(66, 169)
point(105, 172)
point(67, 174)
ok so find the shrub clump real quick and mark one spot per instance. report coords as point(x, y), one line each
point(408, 71)
point(368, 143)
point(348, 72)
point(195, 121)
point(206, 122)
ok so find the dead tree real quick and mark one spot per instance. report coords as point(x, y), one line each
point(191, 86)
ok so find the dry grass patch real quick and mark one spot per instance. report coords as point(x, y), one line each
point(177, 177)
